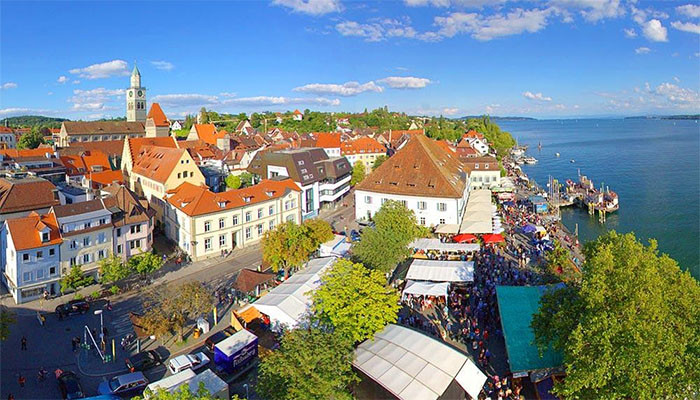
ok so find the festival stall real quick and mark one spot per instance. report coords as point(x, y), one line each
point(441, 271)
point(492, 238)
point(464, 238)
point(421, 288)
point(432, 244)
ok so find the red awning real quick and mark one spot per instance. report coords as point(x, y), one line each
point(492, 238)
point(464, 238)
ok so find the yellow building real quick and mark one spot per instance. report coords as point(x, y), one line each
point(204, 223)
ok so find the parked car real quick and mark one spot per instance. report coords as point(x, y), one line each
point(185, 361)
point(72, 307)
point(354, 235)
point(218, 336)
point(143, 361)
point(69, 385)
point(127, 385)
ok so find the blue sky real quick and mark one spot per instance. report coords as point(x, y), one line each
point(549, 58)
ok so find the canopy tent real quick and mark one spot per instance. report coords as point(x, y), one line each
point(492, 238)
point(476, 227)
point(477, 214)
point(498, 230)
point(529, 228)
point(516, 305)
point(412, 365)
point(287, 303)
point(464, 238)
point(338, 246)
point(447, 229)
point(441, 271)
point(477, 207)
point(248, 280)
point(435, 244)
point(420, 288)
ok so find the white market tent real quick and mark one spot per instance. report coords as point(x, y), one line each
point(338, 246)
point(478, 213)
point(477, 207)
point(441, 271)
point(447, 229)
point(420, 288)
point(476, 227)
point(414, 366)
point(287, 303)
point(435, 244)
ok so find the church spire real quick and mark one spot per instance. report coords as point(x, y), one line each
point(135, 77)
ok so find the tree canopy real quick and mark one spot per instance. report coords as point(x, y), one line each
point(320, 231)
point(31, 140)
point(181, 393)
point(113, 269)
point(7, 318)
point(170, 307)
point(311, 363)
point(358, 173)
point(233, 182)
point(288, 246)
point(355, 300)
point(630, 329)
point(146, 263)
point(75, 279)
point(386, 244)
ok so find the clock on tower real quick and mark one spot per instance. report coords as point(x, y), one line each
point(136, 99)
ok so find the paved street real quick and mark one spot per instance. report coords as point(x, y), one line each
point(49, 346)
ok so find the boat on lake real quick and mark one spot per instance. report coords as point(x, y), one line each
point(529, 160)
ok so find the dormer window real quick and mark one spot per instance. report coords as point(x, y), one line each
point(476, 166)
point(222, 204)
point(45, 237)
point(270, 193)
point(247, 199)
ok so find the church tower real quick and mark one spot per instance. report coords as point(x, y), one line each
point(136, 99)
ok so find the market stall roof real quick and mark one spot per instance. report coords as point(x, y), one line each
point(464, 238)
point(517, 304)
point(338, 246)
point(287, 303)
point(420, 288)
point(492, 238)
point(478, 207)
point(441, 271)
point(435, 244)
point(247, 279)
point(412, 365)
point(447, 229)
point(476, 227)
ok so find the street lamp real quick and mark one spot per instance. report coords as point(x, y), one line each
point(245, 385)
point(102, 330)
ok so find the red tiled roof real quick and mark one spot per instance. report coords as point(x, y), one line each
point(26, 232)
point(135, 144)
point(87, 161)
point(26, 194)
point(328, 140)
point(157, 163)
point(198, 200)
point(15, 153)
point(362, 145)
point(156, 113)
point(5, 129)
point(208, 133)
point(108, 177)
point(473, 134)
point(297, 112)
point(112, 148)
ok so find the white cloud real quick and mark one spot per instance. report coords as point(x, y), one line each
point(14, 111)
point(536, 96)
point(9, 85)
point(278, 101)
point(102, 70)
point(686, 26)
point(185, 99)
point(665, 97)
point(655, 31)
point(377, 29)
point(95, 99)
point(642, 50)
point(346, 89)
point(62, 79)
point(49, 93)
point(690, 10)
point(311, 7)
point(405, 82)
point(450, 111)
point(163, 65)
point(592, 10)
point(453, 3)
point(677, 95)
point(677, 79)
point(76, 82)
point(484, 28)
point(630, 33)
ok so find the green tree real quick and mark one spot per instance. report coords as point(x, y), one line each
point(311, 363)
point(146, 263)
point(203, 115)
point(358, 173)
point(233, 182)
point(75, 279)
point(113, 269)
point(170, 307)
point(288, 246)
point(31, 140)
point(630, 329)
point(559, 263)
point(378, 161)
point(7, 318)
point(319, 230)
point(181, 393)
point(386, 244)
point(355, 300)
point(246, 179)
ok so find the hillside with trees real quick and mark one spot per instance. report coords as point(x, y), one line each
point(29, 121)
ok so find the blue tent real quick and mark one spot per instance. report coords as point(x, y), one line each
point(529, 228)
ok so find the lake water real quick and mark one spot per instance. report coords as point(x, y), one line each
point(653, 165)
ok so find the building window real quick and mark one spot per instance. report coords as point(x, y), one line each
point(27, 277)
point(247, 216)
point(86, 258)
point(271, 225)
point(179, 175)
point(403, 202)
point(73, 244)
point(103, 221)
point(100, 254)
point(222, 223)
point(134, 244)
point(86, 241)
point(136, 228)
point(191, 174)
point(40, 274)
point(260, 229)
point(52, 271)
point(442, 206)
point(260, 213)
point(119, 232)
point(383, 201)
point(235, 220)
point(422, 221)
point(222, 240)
point(290, 218)
point(25, 257)
point(207, 244)
point(422, 205)
point(44, 236)
point(442, 221)
point(271, 210)
point(52, 252)
point(247, 233)
point(73, 261)
point(39, 255)
point(368, 199)
point(207, 226)
point(119, 249)
point(101, 238)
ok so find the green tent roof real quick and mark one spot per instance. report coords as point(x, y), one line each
point(517, 304)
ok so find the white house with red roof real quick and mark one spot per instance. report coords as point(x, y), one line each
point(297, 115)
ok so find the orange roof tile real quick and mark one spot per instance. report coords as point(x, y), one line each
point(26, 231)
point(157, 163)
point(26, 194)
point(297, 112)
point(5, 129)
point(156, 113)
point(108, 177)
point(135, 144)
point(198, 200)
point(208, 133)
point(85, 162)
point(15, 153)
point(473, 134)
point(362, 145)
point(328, 140)
point(112, 148)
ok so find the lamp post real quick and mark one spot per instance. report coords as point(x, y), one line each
point(245, 385)
point(102, 330)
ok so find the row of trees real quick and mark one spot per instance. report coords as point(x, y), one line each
point(628, 326)
point(289, 245)
point(171, 308)
point(112, 269)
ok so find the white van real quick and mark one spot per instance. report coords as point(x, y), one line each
point(169, 383)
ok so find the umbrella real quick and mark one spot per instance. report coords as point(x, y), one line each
point(464, 238)
point(492, 238)
point(529, 228)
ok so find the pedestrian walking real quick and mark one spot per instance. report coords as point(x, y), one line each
point(74, 343)
point(21, 380)
point(24, 343)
